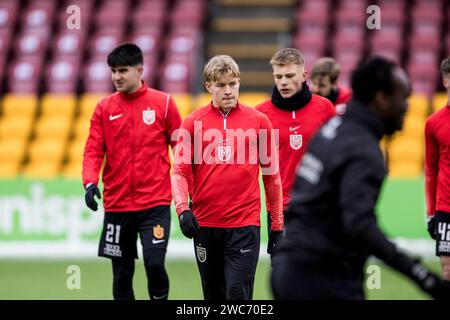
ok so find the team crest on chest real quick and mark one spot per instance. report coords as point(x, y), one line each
point(148, 116)
point(224, 153)
point(296, 141)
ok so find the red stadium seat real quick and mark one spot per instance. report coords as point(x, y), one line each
point(69, 42)
point(97, 76)
point(5, 40)
point(353, 5)
point(312, 17)
point(304, 41)
point(24, 75)
point(32, 42)
point(314, 5)
point(150, 63)
point(423, 78)
point(104, 41)
point(148, 39)
point(188, 13)
point(343, 43)
point(150, 14)
point(62, 75)
point(176, 75)
point(431, 43)
point(39, 14)
point(8, 14)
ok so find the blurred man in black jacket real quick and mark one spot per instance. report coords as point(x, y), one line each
point(331, 227)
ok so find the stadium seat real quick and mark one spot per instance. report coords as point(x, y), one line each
point(81, 129)
point(8, 14)
point(15, 127)
point(252, 99)
point(19, 105)
point(12, 149)
point(97, 76)
point(31, 42)
point(69, 43)
point(418, 105)
point(62, 75)
point(184, 103)
point(405, 169)
point(51, 151)
point(24, 75)
point(53, 128)
point(75, 150)
point(104, 41)
point(439, 101)
point(9, 169)
point(38, 14)
point(88, 101)
point(201, 100)
point(58, 105)
point(41, 170)
point(72, 170)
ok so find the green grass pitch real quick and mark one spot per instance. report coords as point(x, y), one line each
point(46, 279)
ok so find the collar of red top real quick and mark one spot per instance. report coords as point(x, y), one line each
point(134, 95)
point(218, 110)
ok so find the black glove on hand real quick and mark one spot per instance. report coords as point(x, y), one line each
point(189, 225)
point(274, 238)
point(429, 282)
point(91, 191)
point(432, 228)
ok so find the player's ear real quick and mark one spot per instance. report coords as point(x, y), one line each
point(382, 101)
point(446, 82)
point(208, 87)
point(140, 70)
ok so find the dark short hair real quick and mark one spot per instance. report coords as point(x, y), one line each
point(326, 66)
point(445, 67)
point(127, 54)
point(373, 75)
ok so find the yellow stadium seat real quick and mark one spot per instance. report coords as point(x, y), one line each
point(405, 169)
point(61, 105)
point(75, 150)
point(81, 130)
point(418, 105)
point(19, 105)
point(53, 128)
point(72, 170)
point(41, 170)
point(402, 150)
point(88, 101)
point(47, 150)
point(9, 169)
point(252, 99)
point(12, 149)
point(201, 100)
point(15, 127)
point(439, 100)
point(184, 103)
point(414, 127)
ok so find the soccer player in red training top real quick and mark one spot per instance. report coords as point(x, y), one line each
point(133, 128)
point(295, 112)
point(223, 146)
point(437, 176)
point(324, 77)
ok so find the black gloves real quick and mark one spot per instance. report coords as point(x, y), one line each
point(274, 239)
point(189, 225)
point(89, 197)
point(432, 228)
point(429, 282)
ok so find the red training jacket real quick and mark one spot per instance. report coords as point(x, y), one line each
point(296, 130)
point(134, 132)
point(225, 164)
point(437, 161)
point(344, 96)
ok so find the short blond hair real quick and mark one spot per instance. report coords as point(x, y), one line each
point(326, 66)
point(287, 56)
point(219, 66)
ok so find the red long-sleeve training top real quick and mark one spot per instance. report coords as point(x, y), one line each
point(223, 154)
point(437, 161)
